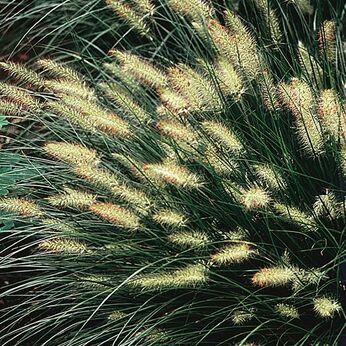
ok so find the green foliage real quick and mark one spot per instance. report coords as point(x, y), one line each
point(163, 203)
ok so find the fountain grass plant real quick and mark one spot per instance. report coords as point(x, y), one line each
point(192, 191)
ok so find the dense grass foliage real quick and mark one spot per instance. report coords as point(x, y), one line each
point(186, 189)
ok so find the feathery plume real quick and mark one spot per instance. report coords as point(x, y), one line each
point(333, 114)
point(58, 225)
point(58, 70)
point(309, 64)
point(72, 198)
point(287, 311)
point(274, 276)
point(197, 89)
point(239, 47)
point(326, 307)
point(327, 205)
point(10, 108)
point(295, 215)
point(125, 101)
point(269, 92)
point(196, 10)
point(299, 99)
point(116, 315)
point(102, 178)
point(62, 245)
point(271, 20)
point(19, 96)
point(189, 238)
point(97, 116)
point(129, 15)
point(172, 103)
point(63, 87)
point(239, 317)
point(190, 276)
point(20, 206)
point(145, 7)
point(128, 81)
point(222, 135)
point(72, 115)
point(236, 253)
point(327, 40)
point(270, 177)
point(228, 78)
point(176, 130)
point(172, 173)
point(116, 215)
point(255, 197)
point(74, 154)
point(142, 70)
point(23, 74)
point(171, 218)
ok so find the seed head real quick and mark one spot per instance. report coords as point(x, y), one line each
point(287, 311)
point(236, 253)
point(74, 154)
point(326, 307)
point(117, 215)
point(72, 198)
point(62, 245)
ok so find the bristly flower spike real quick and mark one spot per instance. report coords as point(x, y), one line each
point(23, 74)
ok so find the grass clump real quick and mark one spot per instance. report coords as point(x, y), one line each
point(190, 192)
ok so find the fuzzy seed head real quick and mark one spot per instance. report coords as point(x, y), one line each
point(191, 276)
point(116, 315)
point(72, 198)
point(274, 276)
point(116, 215)
point(327, 40)
point(172, 103)
point(63, 87)
point(195, 87)
point(196, 10)
point(239, 317)
point(62, 245)
point(268, 176)
point(255, 198)
point(228, 78)
point(171, 173)
point(129, 15)
point(236, 253)
point(189, 239)
point(74, 154)
point(19, 96)
point(22, 74)
point(295, 215)
point(333, 114)
point(58, 225)
point(271, 20)
point(326, 307)
point(58, 70)
point(240, 48)
point(176, 131)
point(10, 108)
point(327, 205)
point(21, 207)
point(125, 101)
point(223, 135)
point(141, 70)
point(287, 311)
point(171, 218)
